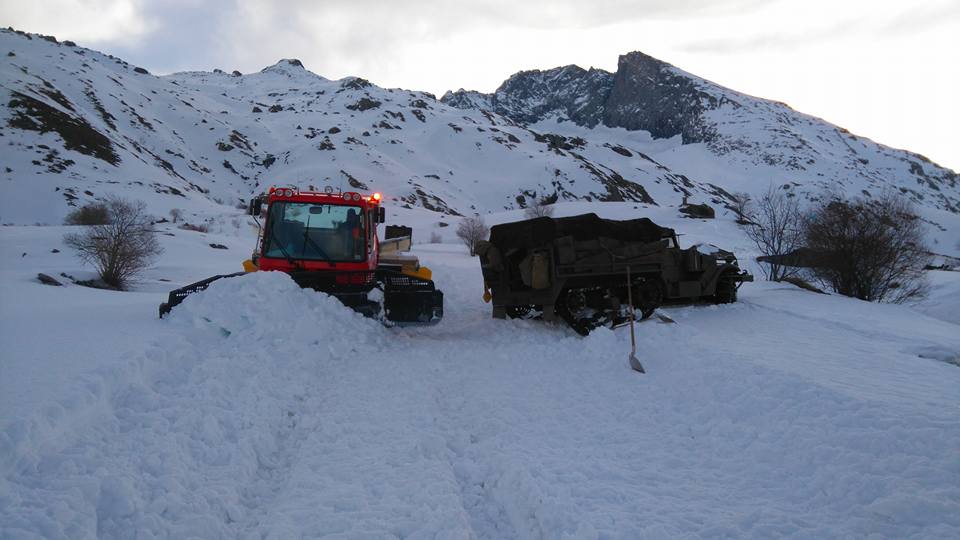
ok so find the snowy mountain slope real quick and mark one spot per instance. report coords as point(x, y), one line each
point(79, 124)
point(259, 409)
point(766, 141)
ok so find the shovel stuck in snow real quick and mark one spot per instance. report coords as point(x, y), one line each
point(634, 363)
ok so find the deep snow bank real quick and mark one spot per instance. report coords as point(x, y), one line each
point(159, 445)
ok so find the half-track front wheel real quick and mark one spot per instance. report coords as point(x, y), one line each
point(726, 291)
point(649, 297)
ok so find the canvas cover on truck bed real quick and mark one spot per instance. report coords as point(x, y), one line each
point(539, 231)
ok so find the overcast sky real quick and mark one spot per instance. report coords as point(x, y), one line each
point(889, 70)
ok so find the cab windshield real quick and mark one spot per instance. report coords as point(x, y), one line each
point(322, 232)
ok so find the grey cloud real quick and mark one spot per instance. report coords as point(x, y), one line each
point(773, 41)
point(920, 17)
point(362, 34)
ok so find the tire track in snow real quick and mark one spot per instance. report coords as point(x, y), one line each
point(500, 493)
point(488, 518)
point(275, 467)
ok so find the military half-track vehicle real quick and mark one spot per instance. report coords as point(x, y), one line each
point(575, 269)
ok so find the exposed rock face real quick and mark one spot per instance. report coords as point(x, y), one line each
point(653, 96)
point(703, 211)
point(29, 113)
point(644, 94)
point(571, 92)
point(48, 280)
point(468, 99)
point(285, 65)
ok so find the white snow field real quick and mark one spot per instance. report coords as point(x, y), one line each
point(260, 410)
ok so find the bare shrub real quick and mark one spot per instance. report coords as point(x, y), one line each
point(88, 214)
point(802, 283)
point(121, 248)
point(435, 238)
point(776, 228)
point(742, 205)
point(203, 227)
point(540, 208)
point(472, 230)
point(176, 214)
point(869, 249)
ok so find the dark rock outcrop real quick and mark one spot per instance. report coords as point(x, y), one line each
point(570, 91)
point(653, 96)
point(644, 94)
point(32, 114)
point(48, 280)
point(364, 104)
point(702, 211)
point(468, 99)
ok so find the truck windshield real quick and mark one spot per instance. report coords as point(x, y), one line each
point(322, 232)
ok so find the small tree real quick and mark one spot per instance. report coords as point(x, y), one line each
point(742, 205)
point(540, 208)
point(776, 228)
point(176, 214)
point(88, 214)
point(869, 249)
point(472, 230)
point(122, 248)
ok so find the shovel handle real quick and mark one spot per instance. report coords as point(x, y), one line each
point(634, 363)
point(633, 339)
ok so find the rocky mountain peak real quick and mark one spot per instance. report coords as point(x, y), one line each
point(285, 65)
point(648, 94)
point(644, 94)
point(567, 93)
point(467, 99)
point(651, 95)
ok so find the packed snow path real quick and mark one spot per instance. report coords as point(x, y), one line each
point(269, 411)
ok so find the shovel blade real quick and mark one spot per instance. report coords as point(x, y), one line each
point(635, 364)
point(665, 319)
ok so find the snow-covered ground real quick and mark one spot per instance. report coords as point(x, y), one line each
point(944, 299)
point(258, 409)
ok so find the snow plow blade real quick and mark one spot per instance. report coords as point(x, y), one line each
point(177, 295)
point(407, 300)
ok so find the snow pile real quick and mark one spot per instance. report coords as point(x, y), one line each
point(269, 306)
point(161, 445)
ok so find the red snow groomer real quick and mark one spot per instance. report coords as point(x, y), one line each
point(328, 242)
